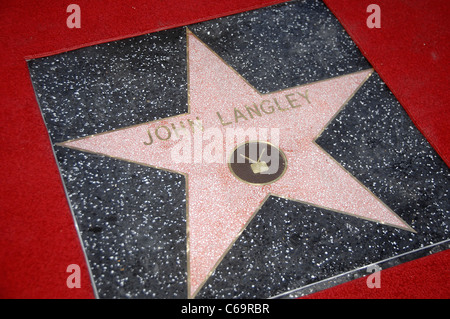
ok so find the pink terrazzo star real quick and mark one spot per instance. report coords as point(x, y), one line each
point(219, 205)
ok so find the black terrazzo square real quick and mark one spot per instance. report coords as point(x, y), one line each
point(132, 218)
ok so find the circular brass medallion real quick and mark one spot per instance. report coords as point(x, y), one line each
point(258, 163)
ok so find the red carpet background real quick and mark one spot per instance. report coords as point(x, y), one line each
point(38, 239)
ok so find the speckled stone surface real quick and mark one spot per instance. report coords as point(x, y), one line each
point(133, 223)
point(132, 218)
point(112, 85)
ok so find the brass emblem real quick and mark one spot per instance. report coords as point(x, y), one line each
point(257, 163)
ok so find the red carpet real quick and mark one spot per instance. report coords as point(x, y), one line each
point(38, 238)
point(422, 278)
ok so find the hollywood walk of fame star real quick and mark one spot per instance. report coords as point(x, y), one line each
point(220, 203)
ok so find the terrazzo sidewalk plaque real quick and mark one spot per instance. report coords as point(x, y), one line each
point(252, 156)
